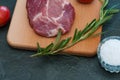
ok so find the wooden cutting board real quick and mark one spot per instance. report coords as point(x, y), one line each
point(21, 35)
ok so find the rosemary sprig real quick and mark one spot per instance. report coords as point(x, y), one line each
point(59, 45)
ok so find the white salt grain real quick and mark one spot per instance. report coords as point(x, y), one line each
point(110, 52)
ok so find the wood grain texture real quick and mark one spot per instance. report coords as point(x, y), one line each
point(21, 35)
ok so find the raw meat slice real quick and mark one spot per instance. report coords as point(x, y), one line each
point(48, 16)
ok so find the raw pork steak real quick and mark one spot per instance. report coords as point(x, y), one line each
point(48, 16)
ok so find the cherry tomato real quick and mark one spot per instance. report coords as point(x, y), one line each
point(4, 15)
point(85, 1)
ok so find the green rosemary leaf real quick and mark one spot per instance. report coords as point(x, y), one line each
point(98, 23)
point(63, 43)
point(105, 19)
point(49, 47)
point(56, 43)
point(105, 4)
point(88, 27)
point(79, 34)
point(58, 36)
point(39, 48)
point(75, 35)
point(113, 11)
point(43, 51)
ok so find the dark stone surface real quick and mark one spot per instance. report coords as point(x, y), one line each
point(17, 65)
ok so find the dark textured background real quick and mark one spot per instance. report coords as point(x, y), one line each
point(17, 65)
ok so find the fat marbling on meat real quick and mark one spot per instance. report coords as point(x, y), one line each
point(46, 17)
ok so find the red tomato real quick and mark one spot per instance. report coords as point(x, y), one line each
point(4, 15)
point(85, 1)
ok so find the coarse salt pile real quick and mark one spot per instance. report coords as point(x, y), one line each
point(109, 54)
